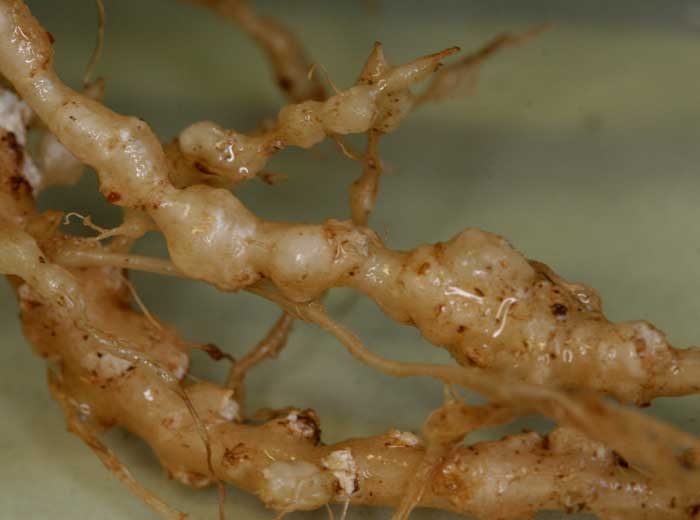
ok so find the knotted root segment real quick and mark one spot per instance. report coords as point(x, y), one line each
point(106, 455)
point(282, 461)
point(168, 423)
point(475, 295)
point(378, 102)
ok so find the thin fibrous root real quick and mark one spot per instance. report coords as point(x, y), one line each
point(99, 43)
point(284, 52)
point(449, 79)
point(363, 192)
point(269, 347)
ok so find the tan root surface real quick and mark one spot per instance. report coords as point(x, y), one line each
point(524, 338)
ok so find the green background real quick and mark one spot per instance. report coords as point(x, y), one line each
point(581, 147)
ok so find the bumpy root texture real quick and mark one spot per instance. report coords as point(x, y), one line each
point(113, 388)
point(475, 295)
point(55, 303)
point(444, 429)
point(654, 446)
point(87, 434)
point(16, 200)
point(378, 102)
point(282, 460)
point(527, 340)
point(640, 439)
point(445, 82)
point(16, 116)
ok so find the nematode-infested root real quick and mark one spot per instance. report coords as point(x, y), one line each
point(522, 336)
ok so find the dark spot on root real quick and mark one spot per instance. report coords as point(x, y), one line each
point(693, 511)
point(620, 461)
point(285, 83)
point(472, 360)
point(311, 420)
point(113, 197)
point(202, 168)
point(439, 251)
point(576, 508)
point(19, 184)
point(423, 268)
point(216, 353)
point(687, 460)
point(11, 139)
point(51, 38)
point(28, 305)
point(640, 347)
point(232, 456)
point(559, 310)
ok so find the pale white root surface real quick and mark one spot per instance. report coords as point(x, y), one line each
point(605, 190)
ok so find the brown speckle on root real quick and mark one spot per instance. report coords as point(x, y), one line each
point(116, 365)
